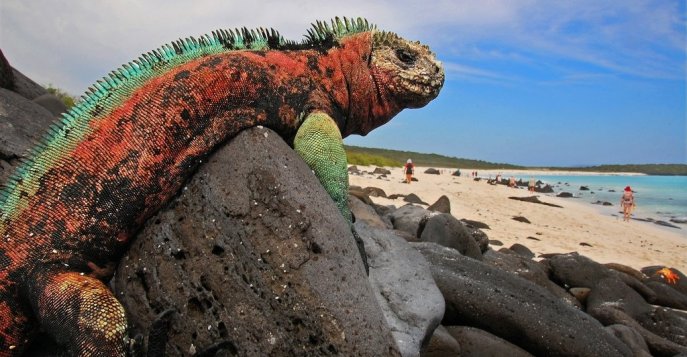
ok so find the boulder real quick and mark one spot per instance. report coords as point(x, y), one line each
point(22, 123)
point(574, 270)
point(631, 338)
point(613, 302)
point(544, 189)
point(527, 269)
point(6, 74)
point(456, 173)
point(374, 192)
point(564, 194)
point(442, 205)
point(522, 251)
point(403, 283)
point(413, 198)
point(667, 296)
point(448, 231)
point(381, 171)
point(514, 309)
point(365, 213)
point(432, 171)
point(26, 87)
point(408, 218)
point(360, 194)
point(476, 342)
point(584, 188)
point(255, 259)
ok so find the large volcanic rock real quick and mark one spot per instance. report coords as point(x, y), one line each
point(515, 309)
point(254, 256)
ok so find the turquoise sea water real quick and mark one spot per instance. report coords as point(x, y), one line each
point(657, 197)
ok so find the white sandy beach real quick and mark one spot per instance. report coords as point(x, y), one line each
point(557, 230)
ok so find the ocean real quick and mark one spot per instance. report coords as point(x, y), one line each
point(657, 197)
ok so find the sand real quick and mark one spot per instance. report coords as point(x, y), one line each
point(578, 226)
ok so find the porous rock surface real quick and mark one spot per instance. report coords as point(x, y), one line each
point(514, 309)
point(255, 256)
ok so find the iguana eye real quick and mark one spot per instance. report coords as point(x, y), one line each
point(405, 56)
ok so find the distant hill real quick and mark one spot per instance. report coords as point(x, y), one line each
point(370, 156)
point(394, 158)
point(649, 169)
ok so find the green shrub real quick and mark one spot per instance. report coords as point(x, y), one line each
point(66, 98)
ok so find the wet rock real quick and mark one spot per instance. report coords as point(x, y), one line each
point(246, 256)
point(432, 171)
point(446, 230)
point(584, 188)
point(413, 198)
point(514, 309)
point(403, 283)
point(603, 203)
point(442, 205)
point(679, 220)
point(476, 342)
point(544, 189)
point(564, 194)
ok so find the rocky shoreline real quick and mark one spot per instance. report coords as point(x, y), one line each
point(252, 258)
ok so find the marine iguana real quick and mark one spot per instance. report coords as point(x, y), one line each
point(71, 208)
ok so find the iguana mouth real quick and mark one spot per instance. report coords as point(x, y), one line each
point(423, 87)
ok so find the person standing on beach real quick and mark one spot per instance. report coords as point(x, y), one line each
point(627, 202)
point(531, 185)
point(408, 169)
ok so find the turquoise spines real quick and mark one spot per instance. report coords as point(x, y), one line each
point(110, 91)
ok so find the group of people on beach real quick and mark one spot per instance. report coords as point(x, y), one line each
point(627, 201)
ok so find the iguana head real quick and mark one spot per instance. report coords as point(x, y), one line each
point(407, 70)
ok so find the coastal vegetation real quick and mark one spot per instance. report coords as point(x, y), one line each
point(394, 158)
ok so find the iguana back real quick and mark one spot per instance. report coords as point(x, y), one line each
point(70, 210)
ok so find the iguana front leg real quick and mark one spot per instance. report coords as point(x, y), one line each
point(318, 141)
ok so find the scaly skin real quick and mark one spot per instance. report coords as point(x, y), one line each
point(70, 211)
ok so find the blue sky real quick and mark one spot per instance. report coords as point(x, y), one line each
point(530, 82)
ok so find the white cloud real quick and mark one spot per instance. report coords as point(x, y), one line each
point(73, 43)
